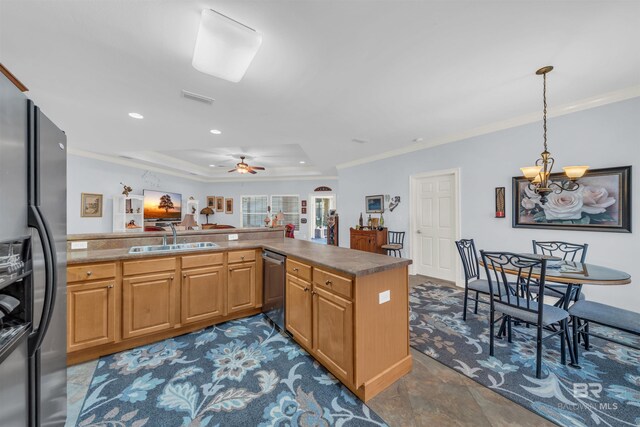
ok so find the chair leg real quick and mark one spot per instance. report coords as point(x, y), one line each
point(491, 329)
point(563, 343)
point(539, 353)
point(509, 329)
point(576, 336)
point(475, 310)
point(466, 296)
point(586, 336)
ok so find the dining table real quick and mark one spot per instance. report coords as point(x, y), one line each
point(574, 275)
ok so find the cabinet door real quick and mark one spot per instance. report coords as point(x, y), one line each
point(91, 314)
point(202, 294)
point(148, 304)
point(333, 333)
point(241, 287)
point(298, 310)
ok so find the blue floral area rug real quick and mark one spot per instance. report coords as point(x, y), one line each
point(605, 392)
point(239, 373)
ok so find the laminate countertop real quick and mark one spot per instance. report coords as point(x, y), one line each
point(348, 261)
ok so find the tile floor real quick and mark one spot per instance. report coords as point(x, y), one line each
point(431, 395)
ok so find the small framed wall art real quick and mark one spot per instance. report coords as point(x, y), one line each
point(220, 204)
point(211, 202)
point(375, 204)
point(500, 208)
point(228, 206)
point(91, 205)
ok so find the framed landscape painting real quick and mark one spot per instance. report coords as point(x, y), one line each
point(601, 203)
point(91, 205)
point(375, 204)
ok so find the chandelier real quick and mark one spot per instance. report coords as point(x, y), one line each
point(539, 174)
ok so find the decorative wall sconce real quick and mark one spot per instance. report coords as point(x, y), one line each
point(500, 202)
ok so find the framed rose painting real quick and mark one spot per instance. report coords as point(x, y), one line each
point(602, 202)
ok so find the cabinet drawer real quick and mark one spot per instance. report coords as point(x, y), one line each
point(91, 272)
point(299, 269)
point(148, 266)
point(242, 256)
point(204, 260)
point(332, 282)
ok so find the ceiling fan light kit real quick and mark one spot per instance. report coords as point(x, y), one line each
point(242, 167)
point(539, 174)
point(224, 47)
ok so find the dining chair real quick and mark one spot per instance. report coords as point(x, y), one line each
point(472, 280)
point(395, 243)
point(513, 302)
point(569, 252)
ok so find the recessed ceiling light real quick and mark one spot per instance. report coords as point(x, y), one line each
point(302, 162)
point(212, 166)
point(418, 139)
point(136, 116)
point(215, 131)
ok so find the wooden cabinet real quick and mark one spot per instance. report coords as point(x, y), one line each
point(319, 315)
point(298, 310)
point(333, 332)
point(368, 240)
point(91, 314)
point(148, 304)
point(202, 293)
point(241, 281)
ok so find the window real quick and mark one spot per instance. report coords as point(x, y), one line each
point(290, 207)
point(254, 210)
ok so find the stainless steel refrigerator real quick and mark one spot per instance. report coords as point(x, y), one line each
point(33, 212)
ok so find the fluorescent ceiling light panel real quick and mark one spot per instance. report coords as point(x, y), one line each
point(224, 47)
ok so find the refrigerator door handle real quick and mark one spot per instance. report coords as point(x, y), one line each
point(37, 221)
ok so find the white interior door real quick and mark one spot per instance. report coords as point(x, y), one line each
point(318, 209)
point(435, 226)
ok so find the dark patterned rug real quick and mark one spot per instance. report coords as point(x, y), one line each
point(239, 373)
point(605, 392)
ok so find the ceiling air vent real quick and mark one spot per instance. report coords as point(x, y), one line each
point(197, 97)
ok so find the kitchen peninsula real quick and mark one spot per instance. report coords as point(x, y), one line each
point(347, 308)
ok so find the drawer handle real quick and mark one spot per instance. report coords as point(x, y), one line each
point(328, 283)
point(242, 257)
point(314, 293)
point(89, 273)
point(110, 286)
point(295, 268)
point(184, 275)
point(306, 289)
point(170, 277)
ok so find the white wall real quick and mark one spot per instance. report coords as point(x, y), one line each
point(97, 176)
point(601, 137)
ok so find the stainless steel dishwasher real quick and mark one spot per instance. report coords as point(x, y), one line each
point(273, 294)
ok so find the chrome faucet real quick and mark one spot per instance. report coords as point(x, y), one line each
point(164, 240)
point(175, 233)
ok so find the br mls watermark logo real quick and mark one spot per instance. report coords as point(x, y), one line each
point(587, 390)
point(591, 393)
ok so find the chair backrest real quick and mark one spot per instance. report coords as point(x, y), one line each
point(565, 250)
point(396, 237)
point(510, 278)
point(467, 251)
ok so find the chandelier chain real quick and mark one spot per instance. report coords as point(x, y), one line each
point(544, 113)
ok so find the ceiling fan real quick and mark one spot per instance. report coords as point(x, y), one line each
point(242, 167)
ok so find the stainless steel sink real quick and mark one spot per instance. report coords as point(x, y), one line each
point(170, 248)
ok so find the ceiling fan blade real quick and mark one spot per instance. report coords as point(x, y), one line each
point(233, 170)
point(252, 171)
point(258, 168)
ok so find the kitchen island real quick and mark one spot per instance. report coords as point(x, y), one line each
point(347, 308)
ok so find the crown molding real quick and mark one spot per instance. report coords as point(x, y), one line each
point(573, 107)
point(145, 167)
